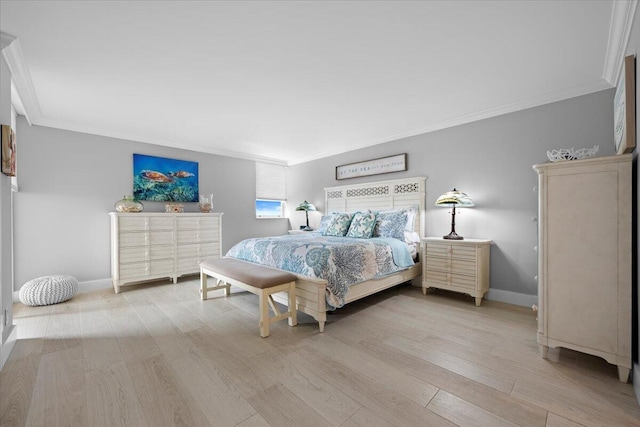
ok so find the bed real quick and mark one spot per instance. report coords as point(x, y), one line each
point(315, 296)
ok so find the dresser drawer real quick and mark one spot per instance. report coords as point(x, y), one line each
point(463, 252)
point(200, 223)
point(146, 238)
point(438, 250)
point(462, 281)
point(143, 269)
point(198, 250)
point(145, 253)
point(437, 263)
point(433, 277)
point(145, 223)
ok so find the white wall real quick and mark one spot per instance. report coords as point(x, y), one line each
point(69, 181)
point(490, 160)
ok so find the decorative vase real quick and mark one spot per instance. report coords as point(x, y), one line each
point(129, 204)
point(206, 203)
point(174, 208)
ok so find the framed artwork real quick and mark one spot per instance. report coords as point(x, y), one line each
point(8, 151)
point(624, 109)
point(159, 179)
point(389, 164)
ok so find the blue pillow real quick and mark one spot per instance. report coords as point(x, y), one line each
point(390, 224)
point(325, 222)
point(362, 225)
point(340, 225)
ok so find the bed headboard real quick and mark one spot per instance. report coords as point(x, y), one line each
point(380, 195)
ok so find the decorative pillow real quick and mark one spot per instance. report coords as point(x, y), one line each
point(325, 222)
point(412, 212)
point(362, 225)
point(340, 225)
point(411, 237)
point(390, 224)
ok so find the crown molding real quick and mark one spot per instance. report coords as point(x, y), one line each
point(22, 78)
point(561, 95)
point(622, 16)
point(5, 40)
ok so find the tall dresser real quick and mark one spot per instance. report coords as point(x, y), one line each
point(584, 259)
point(147, 246)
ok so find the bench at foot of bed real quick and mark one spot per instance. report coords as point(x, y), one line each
point(257, 279)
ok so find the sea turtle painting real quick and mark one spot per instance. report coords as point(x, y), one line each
point(164, 180)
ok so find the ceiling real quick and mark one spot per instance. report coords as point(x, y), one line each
point(293, 81)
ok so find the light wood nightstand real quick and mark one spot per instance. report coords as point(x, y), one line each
point(456, 265)
point(297, 232)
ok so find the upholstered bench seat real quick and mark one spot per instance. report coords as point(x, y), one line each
point(48, 290)
point(260, 280)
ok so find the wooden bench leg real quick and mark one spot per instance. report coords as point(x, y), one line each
point(264, 313)
point(293, 312)
point(203, 285)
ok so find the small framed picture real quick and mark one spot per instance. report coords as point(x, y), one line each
point(8, 151)
point(624, 108)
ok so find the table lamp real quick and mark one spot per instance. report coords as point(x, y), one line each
point(306, 207)
point(454, 199)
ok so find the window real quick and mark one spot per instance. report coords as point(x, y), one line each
point(270, 190)
point(269, 208)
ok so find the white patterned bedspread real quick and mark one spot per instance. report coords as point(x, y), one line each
point(342, 261)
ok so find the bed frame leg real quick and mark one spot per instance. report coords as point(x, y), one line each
point(321, 325)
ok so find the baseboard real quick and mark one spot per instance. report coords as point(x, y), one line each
point(92, 285)
point(515, 298)
point(89, 285)
point(636, 380)
point(7, 346)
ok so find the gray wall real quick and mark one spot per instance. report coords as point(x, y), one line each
point(69, 181)
point(490, 160)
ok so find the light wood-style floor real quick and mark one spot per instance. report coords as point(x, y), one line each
point(155, 355)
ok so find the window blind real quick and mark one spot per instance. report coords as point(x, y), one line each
point(271, 181)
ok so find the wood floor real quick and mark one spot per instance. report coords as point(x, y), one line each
point(155, 355)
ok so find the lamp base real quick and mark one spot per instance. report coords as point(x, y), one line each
point(307, 228)
point(453, 236)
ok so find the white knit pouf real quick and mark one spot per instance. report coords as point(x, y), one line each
point(48, 290)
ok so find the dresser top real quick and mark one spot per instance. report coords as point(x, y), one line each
point(457, 242)
point(165, 214)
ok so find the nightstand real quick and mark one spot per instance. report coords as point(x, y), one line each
point(456, 265)
point(297, 232)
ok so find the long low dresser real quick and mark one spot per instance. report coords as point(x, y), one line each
point(146, 246)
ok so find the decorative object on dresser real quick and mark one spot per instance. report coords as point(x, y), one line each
point(563, 154)
point(389, 164)
point(164, 180)
point(453, 199)
point(624, 108)
point(8, 138)
point(174, 208)
point(306, 207)
point(206, 203)
point(129, 204)
point(584, 259)
point(146, 246)
point(455, 265)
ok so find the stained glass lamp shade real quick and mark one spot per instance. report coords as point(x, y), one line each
point(306, 207)
point(454, 199)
